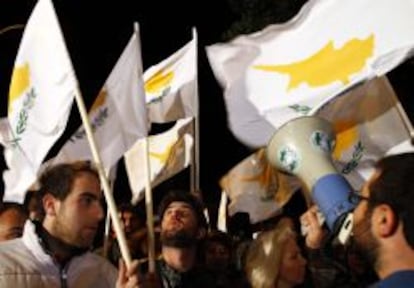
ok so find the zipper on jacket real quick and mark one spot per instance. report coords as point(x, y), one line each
point(64, 277)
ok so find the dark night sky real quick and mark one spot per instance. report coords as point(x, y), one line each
point(95, 37)
point(96, 32)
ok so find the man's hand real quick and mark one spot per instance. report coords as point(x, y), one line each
point(131, 278)
point(128, 277)
point(315, 234)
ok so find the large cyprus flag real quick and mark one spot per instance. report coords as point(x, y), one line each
point(291, 69)
point(171, 87)
point(169, 153)
point(41, 93)
point(118, 116)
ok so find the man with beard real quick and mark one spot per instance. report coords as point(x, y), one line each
point(183, 226)
point(55, 252)
point(384, 221)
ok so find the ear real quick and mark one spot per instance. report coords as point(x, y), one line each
point(49, 204)
point(384, 221)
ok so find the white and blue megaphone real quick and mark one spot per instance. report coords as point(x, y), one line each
point(303, 147)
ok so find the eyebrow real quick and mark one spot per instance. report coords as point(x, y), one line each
point(89, 194)
point(180, 205)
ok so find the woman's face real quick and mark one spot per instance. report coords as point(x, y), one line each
point(293, 265)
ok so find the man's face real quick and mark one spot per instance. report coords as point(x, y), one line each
point(130, 222)
point(78, 216)
point(365, 242)
point(179, 227)
point(11, 224)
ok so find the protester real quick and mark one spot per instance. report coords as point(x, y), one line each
point(12, 219)
point(384, 221)
point(274, 258)
point(134, 226)
point(332, 265)
point(218, 256)
point(183, 227)
point(33, 205)
point(54, 253)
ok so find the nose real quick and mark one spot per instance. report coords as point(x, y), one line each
point(176, 214)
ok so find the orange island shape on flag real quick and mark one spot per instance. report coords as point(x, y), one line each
point(317, 70)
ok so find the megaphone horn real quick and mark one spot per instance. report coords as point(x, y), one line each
point(303, 147)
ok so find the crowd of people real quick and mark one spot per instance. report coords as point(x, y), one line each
point(50, 241)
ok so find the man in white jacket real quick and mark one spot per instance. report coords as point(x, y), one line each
point(55, 252)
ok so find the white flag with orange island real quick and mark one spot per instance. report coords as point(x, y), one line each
point(291, 69)
point(169, 153)
point(42, 89)
point(118, 116)
point(171, 86)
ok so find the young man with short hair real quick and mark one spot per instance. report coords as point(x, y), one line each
point(55, 252)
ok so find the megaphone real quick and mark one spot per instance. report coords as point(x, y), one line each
point(302, 147)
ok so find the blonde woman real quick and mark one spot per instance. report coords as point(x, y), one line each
point(274, 260)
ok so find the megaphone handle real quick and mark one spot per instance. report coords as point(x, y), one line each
point(331, 193)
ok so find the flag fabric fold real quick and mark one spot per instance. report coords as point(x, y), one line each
point(171, 88)
point(4, 131)
point(255, 187)
point(118, 116)
point(291, 69)
point(368, 125)
point(41, 93)
point(169, 153)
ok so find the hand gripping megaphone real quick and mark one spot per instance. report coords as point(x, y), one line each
point(302, 147)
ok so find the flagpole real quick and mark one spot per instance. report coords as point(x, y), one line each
point(104, 181)
point(148, 194)
point(149, 210)
point(195, 167)
point(11, 28)
point(108, 219)
point(222, 212)
point(101, 171)
point(106, 235)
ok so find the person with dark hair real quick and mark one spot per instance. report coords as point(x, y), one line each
point(218, 258)
point(183, 227)
point(383, 228)
point(134, 226)
point(218, 250)
point(192, 201)
point(55, 252)
point(33, 205)
point(12, 219)
point(240, 230)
